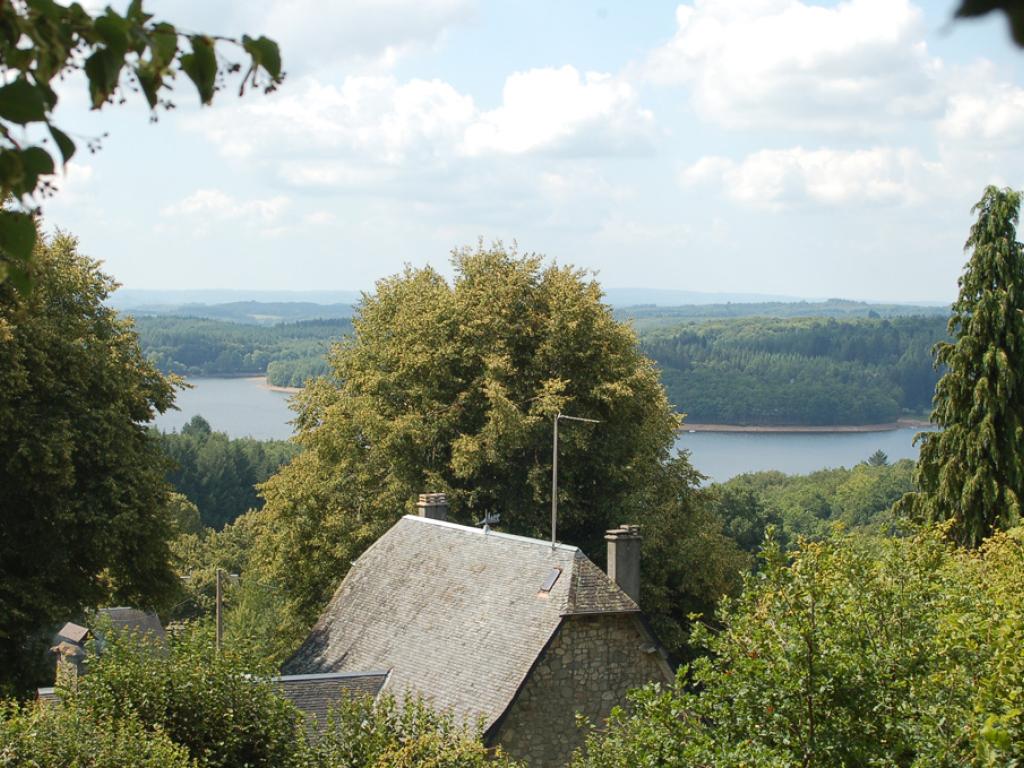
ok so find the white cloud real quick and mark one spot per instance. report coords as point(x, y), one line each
point(558, 108)
point(209, 207)
point(355, 34)
point(73, 182)
point(861, 65)
point(776, 179)
point(371, 131)
point(983, 110)
point(373, 118)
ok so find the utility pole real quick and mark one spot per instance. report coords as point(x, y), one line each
point(554, 472)
point(220, 622)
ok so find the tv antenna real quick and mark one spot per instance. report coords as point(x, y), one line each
point(554, 471)
point(490, 518)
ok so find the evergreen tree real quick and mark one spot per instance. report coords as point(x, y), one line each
point(972, 471)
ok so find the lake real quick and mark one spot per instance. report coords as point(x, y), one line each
point(245, 407)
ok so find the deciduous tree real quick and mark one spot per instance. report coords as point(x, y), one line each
point(454, 388)
point(84, 513)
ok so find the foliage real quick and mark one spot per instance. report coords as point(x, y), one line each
point(453, 388)
point(253, 609)
point(201, 347)
point(1013, 9)
point(219, 474)
point(42, 40)
point(802, 371)
point(56, 737)
point(972, 471)
point(361, 733)
point(83, 503)
point(216, 705)
point(878, 459)
point(811, 505)
point(857, 651)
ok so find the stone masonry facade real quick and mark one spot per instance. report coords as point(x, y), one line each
point(587, 669)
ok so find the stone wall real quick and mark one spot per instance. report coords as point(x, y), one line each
point(589, 666)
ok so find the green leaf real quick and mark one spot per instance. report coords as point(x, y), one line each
point(113, 31)
point(64, 144)
point(21, 102)
point(150, 84)
point(17, 236)
point(103, 69)
point(201, 66)
point(265, 53)
point(163, 44)
point(37, 161)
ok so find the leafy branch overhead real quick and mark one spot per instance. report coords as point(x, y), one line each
point(1014, 10)
point(42, 40)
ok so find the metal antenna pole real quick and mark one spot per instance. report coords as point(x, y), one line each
point(554, 483)
point(554, 472)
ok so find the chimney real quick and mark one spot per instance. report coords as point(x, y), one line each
point(624, 559)
point(433, 506)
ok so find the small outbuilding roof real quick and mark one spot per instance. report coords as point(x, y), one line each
point(71, 633)
point(133, 620)
point(458, 614)
point(315, 695)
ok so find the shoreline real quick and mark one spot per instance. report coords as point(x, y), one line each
point(892, 426)
point(262, 381)
point(850, 428)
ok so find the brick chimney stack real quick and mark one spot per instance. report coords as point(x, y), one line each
point(624, 559)
point(433, 506)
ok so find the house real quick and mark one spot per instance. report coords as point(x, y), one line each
point(68, 644)
point(513, 633)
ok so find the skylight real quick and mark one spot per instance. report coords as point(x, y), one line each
point(549, 582)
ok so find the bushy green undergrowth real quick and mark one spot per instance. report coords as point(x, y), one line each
point(186, 706)
point(853, 651)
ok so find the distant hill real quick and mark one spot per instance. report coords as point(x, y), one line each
point(131, 298)
point(669, 297)
point(252, 312)
point(649, 317)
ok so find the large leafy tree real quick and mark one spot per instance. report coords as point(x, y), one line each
point(971, 472)
point(43, 40)
point(83, 503)
point(454, 388)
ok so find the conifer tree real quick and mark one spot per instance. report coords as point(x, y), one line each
point(972, 471)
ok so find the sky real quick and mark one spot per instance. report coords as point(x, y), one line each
point(789, 147)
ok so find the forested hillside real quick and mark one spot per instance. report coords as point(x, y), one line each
point(791, 371)
point(292, 352)
point(807, 371)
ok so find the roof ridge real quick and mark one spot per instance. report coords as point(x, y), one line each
point(496, 534)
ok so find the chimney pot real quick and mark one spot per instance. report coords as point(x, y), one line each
point(433, 506)
point(624, 559)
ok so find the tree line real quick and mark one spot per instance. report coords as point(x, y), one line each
point(193, 346)
point(799, 371)
point(758, 371)
point(219, 474)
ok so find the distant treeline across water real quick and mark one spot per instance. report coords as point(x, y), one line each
point(757, 371)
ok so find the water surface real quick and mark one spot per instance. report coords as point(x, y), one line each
point(245, 407)
point(242, 407)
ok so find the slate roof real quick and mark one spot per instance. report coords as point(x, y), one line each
point(316, 694)
point(134, 620)
point(72, 633)
point(455, 613)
